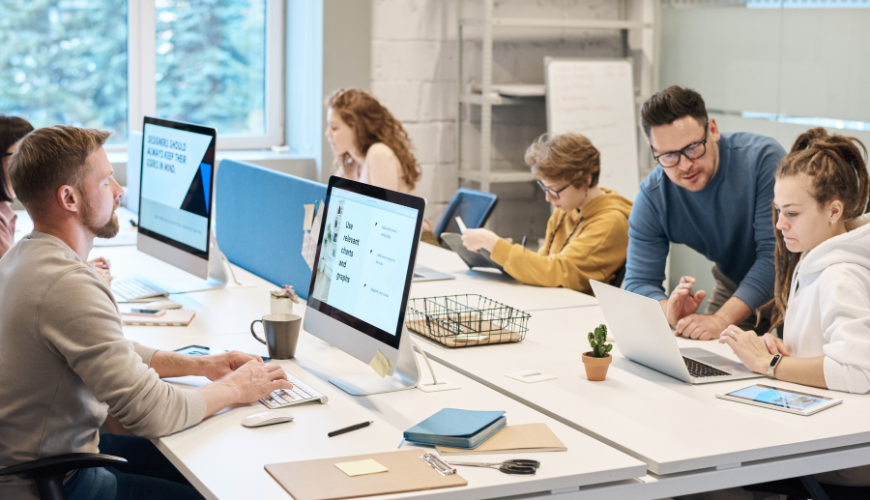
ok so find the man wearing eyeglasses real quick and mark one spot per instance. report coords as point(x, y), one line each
point(712, 192)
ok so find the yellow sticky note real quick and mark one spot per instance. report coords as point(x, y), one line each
point(309, 217)
point(381, 364)
point(361, 467)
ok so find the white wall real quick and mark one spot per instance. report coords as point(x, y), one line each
point(414, 73)
point(808, 62)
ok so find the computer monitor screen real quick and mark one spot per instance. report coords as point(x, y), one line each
point(365, 256)
point(176, 186)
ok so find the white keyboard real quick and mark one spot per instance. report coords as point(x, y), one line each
point(134, 289)
point(301, 393)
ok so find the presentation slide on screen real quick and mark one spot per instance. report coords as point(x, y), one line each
point(364, 257)
point(176, 185)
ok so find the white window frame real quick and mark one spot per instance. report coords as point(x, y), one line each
point(142, 66)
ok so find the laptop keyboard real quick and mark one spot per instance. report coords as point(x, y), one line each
point(698, 370)
point(133, 289)
point(300, 393)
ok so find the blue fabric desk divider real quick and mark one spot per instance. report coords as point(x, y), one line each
point(259, 218)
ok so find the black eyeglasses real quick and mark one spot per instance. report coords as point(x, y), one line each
point(554, 194)
point(693, 151)
point(8, 154)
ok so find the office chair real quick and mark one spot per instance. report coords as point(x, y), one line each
point(472, 205)
point(620, 276)
point(49, 472)
point(808, 487)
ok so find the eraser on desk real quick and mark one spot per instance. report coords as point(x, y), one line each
point(531, 376)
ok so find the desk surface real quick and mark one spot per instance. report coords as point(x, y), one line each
point(493, 285)
point(672, 426)
point(225, 460)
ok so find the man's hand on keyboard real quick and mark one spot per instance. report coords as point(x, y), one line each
point(248, 384)
point(217, 366)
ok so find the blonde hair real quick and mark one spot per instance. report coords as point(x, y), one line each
point(568, 157)
point(838, 170)
point(371, 123)
point(49, 158)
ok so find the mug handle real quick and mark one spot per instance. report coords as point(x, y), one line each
point(254, 334)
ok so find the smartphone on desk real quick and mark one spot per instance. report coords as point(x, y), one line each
point(201, 350)
point(776, 398)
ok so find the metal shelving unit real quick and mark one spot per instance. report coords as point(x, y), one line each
point(649, 47)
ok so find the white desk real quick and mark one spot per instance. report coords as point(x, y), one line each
point(689, 440)
point(674, 427)
point(225, 460)
point(493, 285)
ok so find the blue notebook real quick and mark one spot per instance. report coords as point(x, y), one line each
point(464, 429)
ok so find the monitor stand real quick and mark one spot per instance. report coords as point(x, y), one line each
point(217, 274)
point(406, 375)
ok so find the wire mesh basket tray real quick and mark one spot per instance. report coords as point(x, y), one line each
point(466, 320)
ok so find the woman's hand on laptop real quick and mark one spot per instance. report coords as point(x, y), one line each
point(755, 352)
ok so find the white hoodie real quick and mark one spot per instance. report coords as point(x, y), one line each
point(829, 308)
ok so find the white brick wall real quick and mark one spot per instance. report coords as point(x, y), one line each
point(414, 74)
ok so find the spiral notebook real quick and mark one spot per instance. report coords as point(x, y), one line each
point(173, 317)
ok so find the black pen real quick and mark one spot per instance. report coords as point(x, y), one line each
point(351, 428)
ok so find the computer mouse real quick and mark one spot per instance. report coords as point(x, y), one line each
point(270, 417)
point(160, 305)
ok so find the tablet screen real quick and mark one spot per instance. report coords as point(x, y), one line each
point(779, 397)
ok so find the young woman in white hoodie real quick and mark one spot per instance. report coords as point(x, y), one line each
point(822, 294)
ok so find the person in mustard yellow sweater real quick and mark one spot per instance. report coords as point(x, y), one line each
point(587, 235)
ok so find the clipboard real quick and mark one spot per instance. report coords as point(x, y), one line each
point(321, 480)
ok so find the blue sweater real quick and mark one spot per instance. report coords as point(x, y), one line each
point(729, 221)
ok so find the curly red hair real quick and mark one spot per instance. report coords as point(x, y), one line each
point(373, 123)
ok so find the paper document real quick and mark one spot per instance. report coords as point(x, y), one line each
point(361, 467)
point(309, 238)
point(308, 219)
point(381, 364)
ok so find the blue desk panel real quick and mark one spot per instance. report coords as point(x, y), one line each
point(259, 220)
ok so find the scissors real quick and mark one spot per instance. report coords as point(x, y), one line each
point(517, 466)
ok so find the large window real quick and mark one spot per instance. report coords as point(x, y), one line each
point(65, 62)
point(108, 63)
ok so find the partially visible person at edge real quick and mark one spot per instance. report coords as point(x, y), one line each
point(587, 234)
point(822, 276)
point(710, 191)
point(369, 143)
point(12, 131)
point(65, 365)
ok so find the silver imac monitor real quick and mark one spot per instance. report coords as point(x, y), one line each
point(360, 285)
point(176, 202)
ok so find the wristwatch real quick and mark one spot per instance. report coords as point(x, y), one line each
point(771, 368)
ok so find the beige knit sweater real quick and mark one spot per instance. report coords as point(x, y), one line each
point(65, 364)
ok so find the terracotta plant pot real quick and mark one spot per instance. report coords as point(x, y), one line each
point(596, 368)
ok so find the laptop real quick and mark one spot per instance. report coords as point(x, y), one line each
point(425, 273)
point(640, 327)
point(471, 259)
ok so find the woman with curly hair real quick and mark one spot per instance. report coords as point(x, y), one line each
point(369, 143)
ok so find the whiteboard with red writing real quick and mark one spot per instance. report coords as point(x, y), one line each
point(596, 98)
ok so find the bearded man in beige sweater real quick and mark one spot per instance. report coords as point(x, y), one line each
point(64, 362)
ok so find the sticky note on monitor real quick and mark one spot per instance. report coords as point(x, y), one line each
point(361, 467)
point(381, 364)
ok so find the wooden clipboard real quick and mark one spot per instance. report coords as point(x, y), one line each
point(322, 480)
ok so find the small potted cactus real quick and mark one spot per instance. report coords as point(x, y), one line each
point(597, 360)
